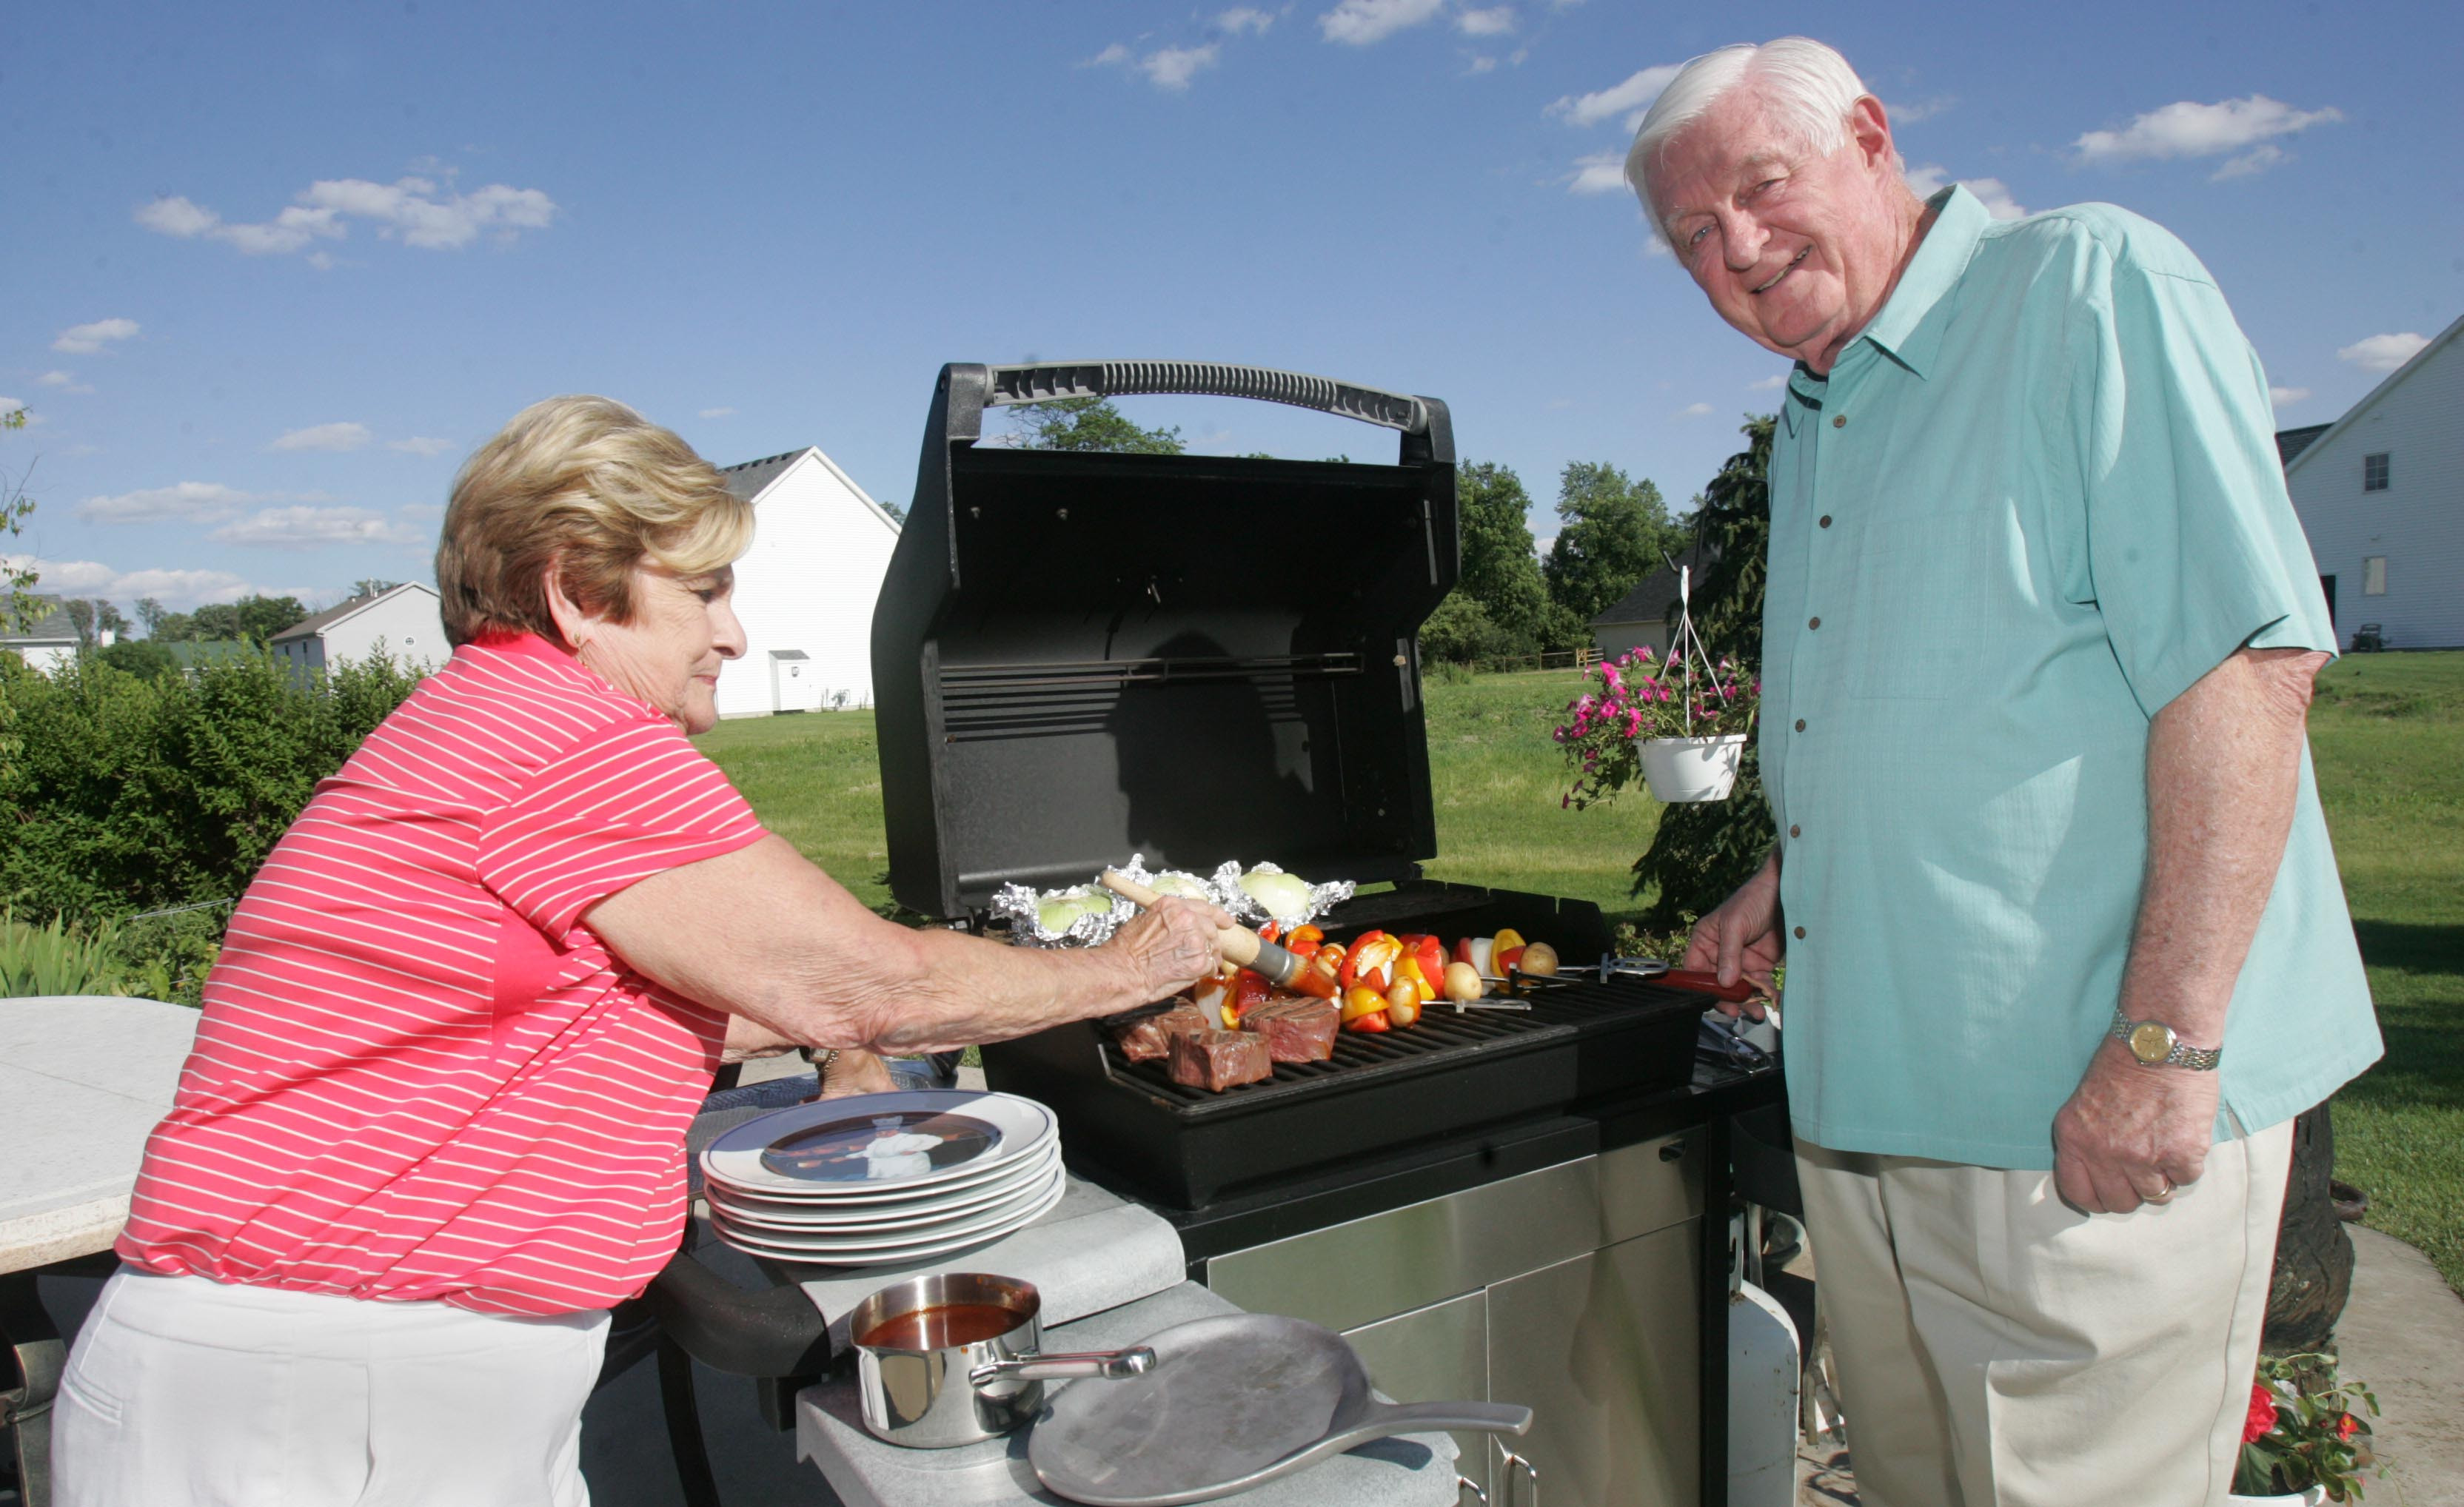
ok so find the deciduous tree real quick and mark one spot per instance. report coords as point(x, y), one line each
point(1614, 532)
point(1088, 424)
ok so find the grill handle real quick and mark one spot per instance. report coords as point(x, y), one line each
point(1041, 383)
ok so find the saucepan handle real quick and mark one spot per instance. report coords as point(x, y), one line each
point(1044, 382)
point(1480, 1418)
point(1110, 1366)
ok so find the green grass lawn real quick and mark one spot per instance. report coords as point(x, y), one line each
point(2389, 735)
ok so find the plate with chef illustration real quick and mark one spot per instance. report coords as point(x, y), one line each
point(874, 1146)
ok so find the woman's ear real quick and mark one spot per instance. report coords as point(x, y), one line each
point(573, 623)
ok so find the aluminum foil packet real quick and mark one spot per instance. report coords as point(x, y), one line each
point(1316, 898)
point(1174, 882)
point(1087, 915)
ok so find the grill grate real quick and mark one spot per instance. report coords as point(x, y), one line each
point(1558, 1008)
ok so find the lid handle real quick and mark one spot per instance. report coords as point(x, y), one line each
point(1041, 383)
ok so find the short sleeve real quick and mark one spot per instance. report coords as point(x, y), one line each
point(2192, 548)
point(631, 800)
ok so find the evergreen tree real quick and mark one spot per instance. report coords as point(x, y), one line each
point(1702, 852)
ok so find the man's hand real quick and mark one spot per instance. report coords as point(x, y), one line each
point(856, 1073)
point(1741, 939)
point(2132, 1134)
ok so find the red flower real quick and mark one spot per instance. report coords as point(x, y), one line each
point(2262, 1413)
point(2347, 1426)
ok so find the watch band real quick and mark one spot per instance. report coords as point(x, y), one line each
point(2178, 1054)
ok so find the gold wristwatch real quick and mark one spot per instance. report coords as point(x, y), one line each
point(2155, 1045)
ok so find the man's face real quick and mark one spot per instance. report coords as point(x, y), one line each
point(1796, 251)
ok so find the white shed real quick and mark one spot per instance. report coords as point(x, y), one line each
point(2381, 493)
point(404, 619)
point(45, 644)
point(804, 591)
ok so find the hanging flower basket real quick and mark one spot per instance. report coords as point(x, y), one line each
point(1680, 723)
point(2314, 1497)
point(1683, 770)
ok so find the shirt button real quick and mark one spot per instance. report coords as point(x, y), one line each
point(1800, 933)
point(1800, 723)
point(1813, 623)
point(1826, 520)
point(1795, 831)
point(1840, 421)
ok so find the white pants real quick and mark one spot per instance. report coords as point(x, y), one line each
point(1997, 1348)
point(183, 1390)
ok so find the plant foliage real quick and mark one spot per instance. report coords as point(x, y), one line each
point(2304, 1429)
point(1088, 424)
point(1702, 852)
point(1613, 530)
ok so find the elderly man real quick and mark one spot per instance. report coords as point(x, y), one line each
point(2065, 946)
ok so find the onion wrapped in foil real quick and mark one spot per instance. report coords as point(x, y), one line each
point(1083, 915)
point(1266, 893)
point(1172, 881)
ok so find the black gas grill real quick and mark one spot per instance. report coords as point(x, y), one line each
point(1078, 656)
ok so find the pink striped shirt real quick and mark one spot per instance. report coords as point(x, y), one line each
point(418, 1075)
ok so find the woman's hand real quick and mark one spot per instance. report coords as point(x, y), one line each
point(1173, 946)
point(856, 1073)
point(1741, 939)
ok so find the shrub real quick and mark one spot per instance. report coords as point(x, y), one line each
point(57, 958)
point(121, 795)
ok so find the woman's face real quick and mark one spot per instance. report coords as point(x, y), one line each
point(683, 630)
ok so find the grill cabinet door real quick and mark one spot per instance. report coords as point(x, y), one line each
point(1602, 1349)
point(1436, 1354)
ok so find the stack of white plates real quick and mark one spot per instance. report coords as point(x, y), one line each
point(883, 1178)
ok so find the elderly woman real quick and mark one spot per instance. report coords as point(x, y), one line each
point(431, 1130)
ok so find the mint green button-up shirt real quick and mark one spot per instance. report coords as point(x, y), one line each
point(2034, 501)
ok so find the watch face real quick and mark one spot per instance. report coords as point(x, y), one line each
point(2151, 1042)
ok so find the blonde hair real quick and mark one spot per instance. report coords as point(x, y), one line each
point(589, 485)
point(1808, 87)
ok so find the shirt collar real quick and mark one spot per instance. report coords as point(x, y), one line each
point(1902, 328)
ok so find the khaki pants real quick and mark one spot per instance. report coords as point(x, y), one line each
point(1996, 1346)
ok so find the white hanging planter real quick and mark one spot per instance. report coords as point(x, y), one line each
point(2314, 1497)
point(1683, 770)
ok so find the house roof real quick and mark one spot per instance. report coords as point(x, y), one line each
point(1654, 597)
point(318, 623)
point(750, 479)
point(2420, 360)
point(2290, 443)
point(52, 627)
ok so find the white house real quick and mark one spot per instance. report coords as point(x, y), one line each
point(2381, 493)
point(804, 591)
point(46, 643)
point(404, 619)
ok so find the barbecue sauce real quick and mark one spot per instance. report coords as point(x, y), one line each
point(936, 1328)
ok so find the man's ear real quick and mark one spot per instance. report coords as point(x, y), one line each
point(573, 623)
point(1871, 130)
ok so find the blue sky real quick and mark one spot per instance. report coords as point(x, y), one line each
point(272, 271)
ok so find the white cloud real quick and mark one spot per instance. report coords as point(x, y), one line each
point(716, 413)
point(2286, 397)
point(1114, 54)
point(305, 528)
point(418, 211)
point(2257, 160)
point(1630, 98)
point(1694, 410)
point(1243, 18)
point(329, 437)
point(1359, 23)
point(1771, 383)
point(2186, 128)
point(62, 380)
point(1495, 21)
point(1991, 192)
point(183, 502)
point(1915, 109)
point(1482, 65)
point(11, 404)
point(420, 445)
point(85, 340)
point(1601, 172)
point(423, 510)
point(2382, 352)
point(177, 589)
point(1171, 67)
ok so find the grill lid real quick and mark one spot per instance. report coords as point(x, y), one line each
point(1077, 657)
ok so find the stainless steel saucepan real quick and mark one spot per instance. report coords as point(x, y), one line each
point(953, 1359)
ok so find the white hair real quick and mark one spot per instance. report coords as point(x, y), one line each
point(1808, 86)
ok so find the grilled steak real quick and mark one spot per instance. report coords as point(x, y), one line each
point(1297, 1028)
point(1148, 1037)
point(1216, 1060)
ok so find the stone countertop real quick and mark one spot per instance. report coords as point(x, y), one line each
point(82, 1080)
point(1412, 1470)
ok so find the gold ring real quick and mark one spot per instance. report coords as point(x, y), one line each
point(2165, 1197)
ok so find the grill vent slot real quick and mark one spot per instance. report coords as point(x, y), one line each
point(1072, 697)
